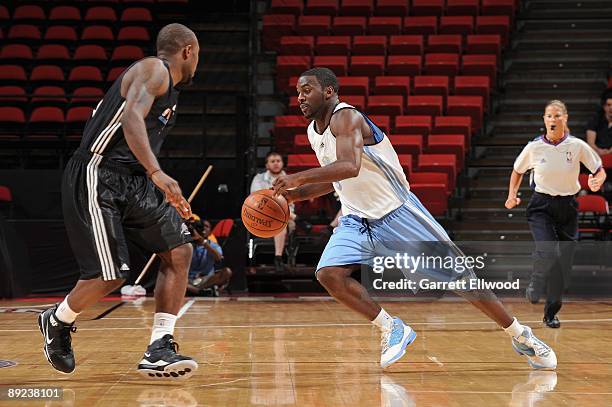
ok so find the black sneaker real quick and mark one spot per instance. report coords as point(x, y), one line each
point(552, 322)
point(57, 341)
point(161, 361)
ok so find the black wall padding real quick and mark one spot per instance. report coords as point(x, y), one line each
point(15, 272)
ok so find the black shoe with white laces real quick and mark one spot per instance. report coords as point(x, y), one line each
point(161, 361)
point(57, 341)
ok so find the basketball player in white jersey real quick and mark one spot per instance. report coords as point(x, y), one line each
point(359, 163)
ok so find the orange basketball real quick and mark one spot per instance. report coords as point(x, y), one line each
point(264, 214)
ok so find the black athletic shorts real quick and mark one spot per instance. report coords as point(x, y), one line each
point(107, 204)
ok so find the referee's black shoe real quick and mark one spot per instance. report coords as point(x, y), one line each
point(552, 322)
point(57, 341)
point(161, 361)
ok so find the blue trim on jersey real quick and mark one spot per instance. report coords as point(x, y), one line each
point(377, 133)
point(400, 190)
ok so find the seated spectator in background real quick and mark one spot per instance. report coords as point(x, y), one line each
point(274, 169)
point(206, 270)
point(599, 128)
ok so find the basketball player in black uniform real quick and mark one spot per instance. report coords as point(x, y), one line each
point(114, 191)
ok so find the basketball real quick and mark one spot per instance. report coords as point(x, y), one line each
point(264, 214)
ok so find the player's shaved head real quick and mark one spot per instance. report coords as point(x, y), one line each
point(174, 37)
point(325, 77)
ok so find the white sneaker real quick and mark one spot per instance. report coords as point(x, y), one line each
point(394, 342)
point(539, 355)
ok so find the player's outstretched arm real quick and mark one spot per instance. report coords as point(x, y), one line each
point(309, 191)
point(144, 82)
point(346, 126)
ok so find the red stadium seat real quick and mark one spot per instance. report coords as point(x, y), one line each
point(100, 14)
point(69, 14)
point(454, 125)
point(13, 96)
point(406, 45)
point(449, 43)
point(413, 125)
point(11, 74)
point(49, 74)
point(391, 105)
point(462, 25)
point(404, 65)
point(339, 65)
point(349, 26)
point(494, 25)
point(274, 27)
point(448, 144)
point(97, 34)
point(301, 144)
point(583, 179)
point(420, 25)
point(287, 66)
point(24, 33)
point(357, 7)
point(359, 102)
point(385, 25)
point(475, 86)
point(466, 106)
point(425, 105)
point(29, 13)
point(433, 196)
point(126, 54)
point(606, 161)
point(462, 7)
point(367, 65)
point(12, 122)
point(354, 85)
point(87, 96)
point(5, 194)
point(321, 7)
point(431, 85)
point(478, 65)
point(85, 74)
point(49, 96)
point(498, 7)
point(296, 45)
point(288, 126)
point(407, 144)
point(60, 33)
point(78, 115)
point(294, 7)
point(333, 45)
point(439, 163)
point(313, 25)
point(223, 228)
point(12, 53)
point(136, 15)
point(406, 163)
point(4, 13)
point(391, 8)
point(114, 73)
point(369, 45)
point(484, 44)
point(47, 116)
point(392, 85)
point(431, 178)
point(133, 35)
point(427, 7)
point(441, 64)
point(53, 52)
point(301, 162)
point(383, 122)
point(90, 53)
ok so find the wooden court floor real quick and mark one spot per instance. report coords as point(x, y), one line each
point(314, 352)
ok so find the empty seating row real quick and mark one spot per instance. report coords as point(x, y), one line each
point(88, 53)
point(72, 14)
point(54, 74)
point(49, 95)
point(393, 7)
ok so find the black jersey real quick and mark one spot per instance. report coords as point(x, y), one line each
point(103, 134)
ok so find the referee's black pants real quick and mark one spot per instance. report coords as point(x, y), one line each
point(553, 221)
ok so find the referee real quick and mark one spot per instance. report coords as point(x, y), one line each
point(552, 213)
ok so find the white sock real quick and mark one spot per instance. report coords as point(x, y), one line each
point(383, 320)
point(163, 324)
point(64, 313)
point(515, 329)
